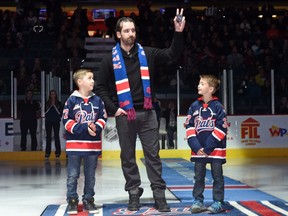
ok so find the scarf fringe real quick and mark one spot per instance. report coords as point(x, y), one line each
point(147, 103)
point(131, 114)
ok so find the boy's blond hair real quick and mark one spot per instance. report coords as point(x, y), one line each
point(80, 73)
point(212, 81)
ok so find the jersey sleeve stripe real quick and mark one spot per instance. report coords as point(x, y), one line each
point(101, 123)
point(218, 134)
point(190, 132)
point(70, 125)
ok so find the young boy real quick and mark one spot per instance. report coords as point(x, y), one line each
point(84, 117)
point(206, 128)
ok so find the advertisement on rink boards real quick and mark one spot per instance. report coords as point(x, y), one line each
point(248, 132)
point(6, 135)
point(243, 132)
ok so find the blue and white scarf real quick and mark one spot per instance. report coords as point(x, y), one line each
point(122, 82)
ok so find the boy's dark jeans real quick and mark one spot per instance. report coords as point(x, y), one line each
point(218, 181)
point(73, 173)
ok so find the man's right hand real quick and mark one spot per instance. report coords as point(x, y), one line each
point(120, 112)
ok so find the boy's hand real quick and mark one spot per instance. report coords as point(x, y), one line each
point(92, 129)
point(201, 152)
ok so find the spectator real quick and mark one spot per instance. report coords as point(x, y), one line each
point(35, 80)
point(170, 115)
point(21, 43)
point(34, 83)
point(283, 106)
point(29, 112)
point(272, 33)
point(74, 41)
point(158, 109)
point(53, 113)
point(235, 59)
point(260, 77)
point(281, 89)
point(31, 20)
point(110, 23)
point(245, 26)
point(59, 61)
point(9, 41)
point(50, 26)
point(22, 79)
point(3, 86)
point(37, 67)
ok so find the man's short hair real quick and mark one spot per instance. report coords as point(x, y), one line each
point(119, 25)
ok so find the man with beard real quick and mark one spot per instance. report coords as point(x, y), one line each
point(125, 84)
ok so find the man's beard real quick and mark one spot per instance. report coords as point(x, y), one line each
point(129, 41)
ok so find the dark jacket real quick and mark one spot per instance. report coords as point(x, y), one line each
point(105, 79)
point(53, 113)
point(167, 116)
point(29, 110)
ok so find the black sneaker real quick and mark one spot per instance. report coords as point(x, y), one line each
point(161, 205)
point(134, 195)
point(89, 206)
point(72, 206)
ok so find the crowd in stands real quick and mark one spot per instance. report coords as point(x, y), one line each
point(33, 40)
point(230, 38)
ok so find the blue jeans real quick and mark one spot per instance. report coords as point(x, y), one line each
point(73, 173)
point(218, 181)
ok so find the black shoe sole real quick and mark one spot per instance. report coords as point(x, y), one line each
point(164, 210)
point(133, 209)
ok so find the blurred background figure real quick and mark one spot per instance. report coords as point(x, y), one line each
point(53, 112)
point(29, 112)
point(170, 115)
point(157, 106)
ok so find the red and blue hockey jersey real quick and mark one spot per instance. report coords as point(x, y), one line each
point(78, 112)
point(206, 127)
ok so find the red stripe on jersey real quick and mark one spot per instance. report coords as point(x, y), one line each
point(218, 152)
point(218, 133)
point(122, 86)
point(101, 123)
point(69, 125)
point(83, 145)
point(190, 132)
